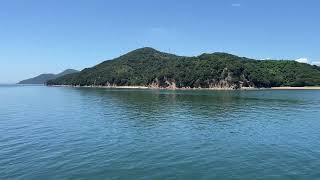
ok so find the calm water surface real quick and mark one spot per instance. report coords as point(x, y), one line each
point(79, 133)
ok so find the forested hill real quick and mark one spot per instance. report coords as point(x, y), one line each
point(152, 68)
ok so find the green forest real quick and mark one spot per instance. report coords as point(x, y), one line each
point(149, 67)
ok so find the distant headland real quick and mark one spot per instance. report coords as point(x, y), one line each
point(43, 78)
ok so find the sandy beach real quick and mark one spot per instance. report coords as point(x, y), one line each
point(151, 87)
point(298, 88)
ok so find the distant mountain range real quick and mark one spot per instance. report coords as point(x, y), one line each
point(43, 78)
point(151, 68)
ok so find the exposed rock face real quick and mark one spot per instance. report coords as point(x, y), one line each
point(155, 84)
point(226, 81)
point(171, 85)
point(165, 83)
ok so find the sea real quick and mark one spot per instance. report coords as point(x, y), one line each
point(95, 133)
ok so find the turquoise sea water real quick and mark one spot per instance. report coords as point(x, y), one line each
point(83, 133)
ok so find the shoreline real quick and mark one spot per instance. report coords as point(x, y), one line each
point(297, 88)
point(151, 87)
point(216, 88)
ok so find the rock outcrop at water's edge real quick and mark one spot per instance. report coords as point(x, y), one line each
point(147, 67)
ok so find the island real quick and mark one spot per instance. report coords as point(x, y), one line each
point(150, 68)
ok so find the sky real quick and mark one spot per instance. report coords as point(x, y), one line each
point(49, 36)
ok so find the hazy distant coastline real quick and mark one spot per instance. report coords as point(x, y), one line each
point(43, 78)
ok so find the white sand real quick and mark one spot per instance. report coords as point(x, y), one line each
point(297, 88)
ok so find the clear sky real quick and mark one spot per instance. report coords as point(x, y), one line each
point(38, 36)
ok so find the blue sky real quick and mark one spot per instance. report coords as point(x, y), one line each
point(38, 36)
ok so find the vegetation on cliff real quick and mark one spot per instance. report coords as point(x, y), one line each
point(149, 67)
